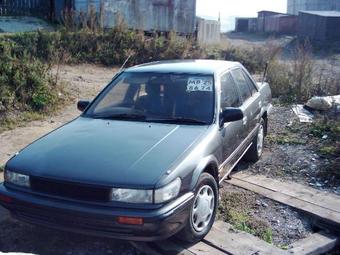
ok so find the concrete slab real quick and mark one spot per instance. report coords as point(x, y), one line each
point(22, 24)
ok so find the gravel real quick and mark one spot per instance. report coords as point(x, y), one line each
point(294, 160)
point(286, 224)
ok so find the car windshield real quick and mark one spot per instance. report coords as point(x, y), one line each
point(155, 97)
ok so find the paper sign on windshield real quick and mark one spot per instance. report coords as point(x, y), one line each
point(199, 84)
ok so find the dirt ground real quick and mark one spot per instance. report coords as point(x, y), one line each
point(250, 40)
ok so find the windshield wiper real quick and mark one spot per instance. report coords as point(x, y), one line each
point(180, 120)
point(121, 116)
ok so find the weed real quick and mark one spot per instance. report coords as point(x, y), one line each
point(234, 209)
point(267, 235)
point(325, 126)
point(328, 150)
point(285, 138)
point(283, 246)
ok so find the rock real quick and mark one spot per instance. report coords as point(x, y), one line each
point(264, 204)
point(318, 184)
point(276, 221)
point(320, 103)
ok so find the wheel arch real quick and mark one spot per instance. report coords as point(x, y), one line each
point(265, 118)
point(207, 165)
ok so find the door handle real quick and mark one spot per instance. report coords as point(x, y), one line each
point(245, 120)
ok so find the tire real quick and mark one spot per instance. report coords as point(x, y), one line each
point(194, 231)
point(255, 151)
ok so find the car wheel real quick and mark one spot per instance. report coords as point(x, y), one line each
point(255, 151)
point(203, 210)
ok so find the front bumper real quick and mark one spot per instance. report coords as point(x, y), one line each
point(97, 220)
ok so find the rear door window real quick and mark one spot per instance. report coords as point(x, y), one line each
point(229, 92)
point(251, 84)
point(241, 83)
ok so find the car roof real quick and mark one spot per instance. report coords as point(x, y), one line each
point(185, 66)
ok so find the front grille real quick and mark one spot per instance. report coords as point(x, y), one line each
point(70, 190)
point(68, 221)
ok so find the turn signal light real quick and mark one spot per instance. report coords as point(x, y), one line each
point(130, 220)
point(5, 199)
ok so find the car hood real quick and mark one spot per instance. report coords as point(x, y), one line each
point(107, 152)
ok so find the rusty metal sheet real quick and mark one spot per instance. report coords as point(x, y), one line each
point(150, 15)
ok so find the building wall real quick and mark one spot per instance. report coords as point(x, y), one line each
point(332, 29)
point(147, 15)
point(40, 8)
point(261, 19)
point(281, 24)
point(252, 25)
point(241, 24)
point(294, 6)
point(246, 24)
point(208, 31)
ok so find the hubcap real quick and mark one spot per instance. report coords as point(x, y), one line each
point(260, 136)
point(203, 208)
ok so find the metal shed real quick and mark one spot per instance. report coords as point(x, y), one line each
point(319, 25)
point(294, 6)
point(146, 15)
point(40, 8)
point(246, 24)
point(261, 19)
point(208, 31)
point(281, 24)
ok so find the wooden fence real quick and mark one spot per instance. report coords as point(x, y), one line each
point(41, 8)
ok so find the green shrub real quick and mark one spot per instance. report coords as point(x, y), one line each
point(279, 76)
point(24, 81)
point(253, 58)
point(111, 47)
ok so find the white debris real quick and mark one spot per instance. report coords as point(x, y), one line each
point(323, 103)
point(303, 114)
point(324, 136)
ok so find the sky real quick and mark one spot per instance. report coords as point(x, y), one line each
point(230, 9)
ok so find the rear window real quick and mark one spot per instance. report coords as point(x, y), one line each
point(242, 84)
point(229, 93)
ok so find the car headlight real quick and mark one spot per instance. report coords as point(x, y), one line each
point(17, 179)
point(137, 196)
point(168, 192)
point(131, 196)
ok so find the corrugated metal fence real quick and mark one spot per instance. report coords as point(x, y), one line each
point(25, 7)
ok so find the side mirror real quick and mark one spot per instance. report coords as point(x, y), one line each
point(231, 114)
point(81, 105)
